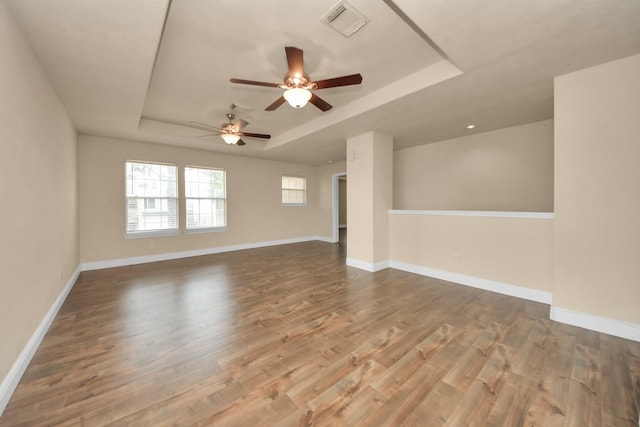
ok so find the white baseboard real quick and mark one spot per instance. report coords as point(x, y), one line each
point(97, 265)
point(476, 282)
point(11, 380)
point(606, 325)
point(618, 328)
point(368, 266)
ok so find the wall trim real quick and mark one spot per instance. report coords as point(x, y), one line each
point(606, 325)
point(11, 380)
point(476, 282)
point(323, 239)
point(143, 259)
point(368, 266)
point(492, 214)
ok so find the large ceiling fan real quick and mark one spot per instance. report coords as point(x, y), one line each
point(230, 132)
point(298, 85)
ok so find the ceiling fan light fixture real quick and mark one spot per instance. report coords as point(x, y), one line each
point(230, 138)
point(297, 97)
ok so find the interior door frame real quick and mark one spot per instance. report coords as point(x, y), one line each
point(336, 205)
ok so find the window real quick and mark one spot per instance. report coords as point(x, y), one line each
point(205, 193)
point(294, 190)
point(152, 198)
point(149, 203)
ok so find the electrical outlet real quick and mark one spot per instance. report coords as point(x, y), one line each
point(456, 258)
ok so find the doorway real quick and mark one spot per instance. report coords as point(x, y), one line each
point(340, 208)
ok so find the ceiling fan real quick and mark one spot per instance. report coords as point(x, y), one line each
point(230, 132)
point(298, 85)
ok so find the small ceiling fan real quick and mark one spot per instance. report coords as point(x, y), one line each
point(230, 132)
point(298, 84)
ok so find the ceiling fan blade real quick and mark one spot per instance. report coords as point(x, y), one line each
point(241, 142)
point(254, 83)
point(295, 61)
point(320, 103)
point(353, 79)
point(239, 125)
point(255, 135)
point(278, 102)
point(207, 136)
point(204, 126)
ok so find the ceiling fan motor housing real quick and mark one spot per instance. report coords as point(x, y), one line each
point(296, 81)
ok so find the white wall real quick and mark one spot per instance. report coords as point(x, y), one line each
point(38, 192)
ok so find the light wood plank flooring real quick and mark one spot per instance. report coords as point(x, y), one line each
point(290, 336)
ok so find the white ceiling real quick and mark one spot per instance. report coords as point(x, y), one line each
point(144, 69)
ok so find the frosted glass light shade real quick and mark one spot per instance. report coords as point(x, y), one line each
point(297, 97)
point(230, 138)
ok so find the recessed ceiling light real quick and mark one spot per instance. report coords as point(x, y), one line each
point(471, 126)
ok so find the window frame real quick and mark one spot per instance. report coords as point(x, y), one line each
point(156, 232)
point(213, 229)
point(283, 189)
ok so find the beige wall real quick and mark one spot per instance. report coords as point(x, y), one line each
point(254, 209)
point(517, 251)
point(38, 194)
point(382, 194)
point(360, 198)
point(369, 196)
point(597, 190)
point(504, 170)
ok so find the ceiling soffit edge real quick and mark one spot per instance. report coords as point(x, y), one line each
point(417, 81)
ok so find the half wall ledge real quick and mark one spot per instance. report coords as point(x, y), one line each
point(493, 214)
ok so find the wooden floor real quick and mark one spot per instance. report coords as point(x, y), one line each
point(290, 336)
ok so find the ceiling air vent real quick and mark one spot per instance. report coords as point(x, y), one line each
point(345, 19)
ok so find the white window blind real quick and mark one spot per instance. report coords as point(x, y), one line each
point(152, 197)
point(205, 194)
point(294, 190)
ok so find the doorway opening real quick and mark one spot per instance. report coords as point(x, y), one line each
point(340, 208)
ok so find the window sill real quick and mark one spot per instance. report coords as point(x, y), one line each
point(205, 230)
point(147, 234)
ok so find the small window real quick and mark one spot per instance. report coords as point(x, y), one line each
point(152, 198)
point(206, 202)
point(294, 190)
